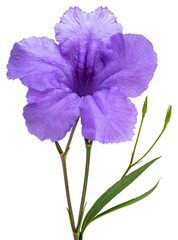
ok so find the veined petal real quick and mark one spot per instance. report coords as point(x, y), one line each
point(76, 24)
point(130, 66)
point(50, 114)
point(108, 116)
point(81, 35)
point(38, 64)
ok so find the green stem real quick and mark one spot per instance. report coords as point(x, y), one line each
point(68, 192)
point(70, 138)
point(76, 236)
point(133, 153)
point(166, 121)
point(149, 148)
point(88, 145)
point(63, 156)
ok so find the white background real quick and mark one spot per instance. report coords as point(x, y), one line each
point(32, 194)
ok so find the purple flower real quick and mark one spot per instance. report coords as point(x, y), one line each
point(91, 73)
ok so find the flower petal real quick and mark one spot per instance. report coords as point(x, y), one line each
point(76, 25)
point(81, 36)
point(130, 66)
point(50, 114)
point(38, 64)
point(108, 116)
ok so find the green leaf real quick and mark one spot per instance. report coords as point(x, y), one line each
point(144, 109)
point(114, 190)
point(168, 116)
point(134, 200)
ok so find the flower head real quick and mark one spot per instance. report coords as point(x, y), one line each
point(90, 73)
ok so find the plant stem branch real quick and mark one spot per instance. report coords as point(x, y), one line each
point(63, 156)
point(149, 148)
point(88, 145)
point(133, 153)
point(70, 138)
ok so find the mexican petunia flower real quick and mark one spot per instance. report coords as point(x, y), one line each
point(91, 72)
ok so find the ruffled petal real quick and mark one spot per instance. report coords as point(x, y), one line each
point(50, 114)
point(81, 36)
point(130, 66)
point(38, 64)
point(76, 25)
point(108, 116)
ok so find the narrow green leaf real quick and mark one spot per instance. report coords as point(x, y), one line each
point(134, 200)
point(168, 116)
point(144, 109)
point(114, 190)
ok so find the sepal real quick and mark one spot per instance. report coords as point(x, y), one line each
point(144, 109)
point(168, 116)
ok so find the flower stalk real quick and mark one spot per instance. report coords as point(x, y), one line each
point(64, 166)
point(167, 119)
point(76, 236)
point(88, 145)
point(63, 156)
point(144, 110)
point(70, 138)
